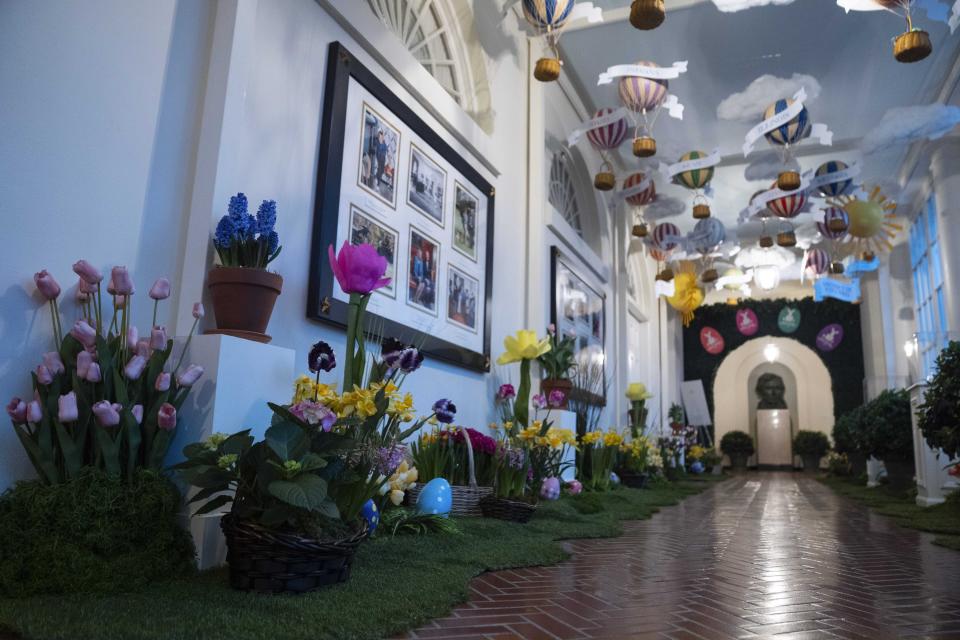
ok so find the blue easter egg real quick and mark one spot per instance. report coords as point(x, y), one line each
point(371, 515)
point(435, 498)
point(614, 478)
point(697, 467)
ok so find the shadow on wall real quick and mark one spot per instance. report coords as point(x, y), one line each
point(492, 31)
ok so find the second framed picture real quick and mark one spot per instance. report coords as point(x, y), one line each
point(422, 284)
point(465, 221)
point(427, 186)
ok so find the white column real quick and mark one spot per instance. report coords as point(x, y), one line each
point(933, 481)
point(945, 168)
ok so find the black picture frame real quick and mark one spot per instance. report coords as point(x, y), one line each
point(556, 257)
point(321, 303)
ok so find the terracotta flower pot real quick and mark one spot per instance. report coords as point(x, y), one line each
point(565, 386)
point(243, 300)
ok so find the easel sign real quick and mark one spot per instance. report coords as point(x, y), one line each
point(695, 403)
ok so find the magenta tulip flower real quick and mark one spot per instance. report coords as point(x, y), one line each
point(84, 360)
point(52, 361)
point(137, 412)
point(358, 268)
point(47, 285)
point(167, 417)
point(198, 311)
point(132, 335)
point(88, 273)
point(94, 374)
point(135, 367)
point(17, 410)
point(111, 289)
point(158, 338)
point(190, 375)
point(44, 376)
point(84, 333)
point(107, 415)
point(163, 382)
point(67, 405)
point(160, 289)
point(121, 280)
point(85, 287)
point(34, 412)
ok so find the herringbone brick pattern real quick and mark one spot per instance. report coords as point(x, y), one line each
point(772, 555)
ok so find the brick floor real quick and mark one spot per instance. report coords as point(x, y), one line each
point(770, 555)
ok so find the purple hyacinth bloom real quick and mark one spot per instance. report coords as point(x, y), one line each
point(321, 358)
point(444, 410)
point(387, 459)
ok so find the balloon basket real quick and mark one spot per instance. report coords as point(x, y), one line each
point(788, 181)
point(787, 239)
point(701, 211)
point(766, 242)
point(640, 231)
point(666, 275)
point(604, 181)
point(644, 147)
point(868, 256)
point(710, 276)
point(912, 46)
point(547, 69)
point(647, 14)
point(836, 268)
point(837, 225)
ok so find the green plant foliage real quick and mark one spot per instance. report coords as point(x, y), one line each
point(811, 443)
point(94, 533)
point(402, 521)
point(560, 361)
point(849, 432)
point(940, 412)
point(737, 443)
point(845, 363)
point(888, 432)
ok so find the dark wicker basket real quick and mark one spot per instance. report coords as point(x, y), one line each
point(507, 509)
point(267, 561)
point(633, 480)
point(465, 500)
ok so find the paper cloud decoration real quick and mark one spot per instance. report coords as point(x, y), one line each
point(749, 104)
point(731, 6)
point(665, 207)
point(903, 125)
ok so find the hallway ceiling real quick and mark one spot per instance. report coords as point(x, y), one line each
point(847, 55)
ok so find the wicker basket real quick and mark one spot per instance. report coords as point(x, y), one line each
point(647, 14)
point(787, 239)
point(666, 275)
point(701, 211)
point(465, 501)
point(788, 181)
point(267, 561)
point(766, 242)
point(633, 480)
point(547, 69)
point(640, 231)
point(836, 268)
point(912, 46)
point(604, 181)
point(644, 147)
point(507, 509)
point(710, 276)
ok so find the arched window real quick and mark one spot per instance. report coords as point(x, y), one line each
point(562, 192)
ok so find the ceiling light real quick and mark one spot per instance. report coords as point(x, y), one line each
point(771, 352)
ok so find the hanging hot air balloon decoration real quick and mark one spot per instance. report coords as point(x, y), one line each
point(647, 14)
point(707, 236)
point(835, 188)
point(914, 44)
point(833, 229)
point(548, 18)
point(871, 221)
point(816, 263)
point(644, 97)
point(664, 240)
point(697, 179)
point(786, 207)
point(605, 139)
point(787, 134)
point(639, 191)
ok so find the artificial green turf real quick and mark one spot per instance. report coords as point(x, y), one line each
point(397, 583)
point(942, 519)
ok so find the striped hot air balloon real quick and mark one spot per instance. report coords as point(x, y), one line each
point(643, 197)
point(835, 223)
point(608, 136)
point(643, 94)
point(708, 234)
point(698, 178)
point(658, 255)
point(817, 262)
point(666, 236)
point(765, 212)
point(547, 14)
point(788, 206)
point(793, 131)
point(833, 189)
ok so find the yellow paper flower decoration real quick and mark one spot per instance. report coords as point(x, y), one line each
point(687, 296)
point(637, 391)
point(523, 346)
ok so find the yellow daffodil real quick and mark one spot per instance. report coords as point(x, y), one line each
point(637, 391)
point(401, 407)
point(523, 346)
point(591, 437)
point(529, 434)
point(612, 439)
point(303, 389)
point(696, 452)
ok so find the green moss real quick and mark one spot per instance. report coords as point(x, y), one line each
point(95, 534)
point(398, 583)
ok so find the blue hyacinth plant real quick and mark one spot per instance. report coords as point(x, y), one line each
point(244, 240)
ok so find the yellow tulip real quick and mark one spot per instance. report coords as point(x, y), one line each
point(523, 346)
point(637, 391)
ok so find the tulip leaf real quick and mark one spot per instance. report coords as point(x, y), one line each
point(134, 438)
point(121, 390)
point(287, 440)
point(110, 450)
point(72, 454)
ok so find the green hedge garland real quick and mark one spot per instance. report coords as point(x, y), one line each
point(845, 363)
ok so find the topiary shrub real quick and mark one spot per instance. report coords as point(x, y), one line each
point(811, 443)
point(939, 415)
point(848, 439)
point(888, 432)
point(92, 533)
point(737, 443)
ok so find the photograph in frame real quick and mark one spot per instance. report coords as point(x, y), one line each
point(365, 229)
point(379, 153)
point(427, 185)
point(423, 270)
point(465, 221)
point(463, 294)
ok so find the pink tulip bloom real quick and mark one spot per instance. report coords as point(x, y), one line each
point(52, 361)
point(121, 281)
point(88, 273)
point(107, 415)
point(135, 367)
point(111, 289)
point(132, 335)
point(84, 360)
point(190, 376)
point(163, 382)
point(46, 285)
point(44, 376)
point(143, 348)
point(86, 287)
point(119, 301)
point(17, 410)
point(94, 374)
point(84, 333)
point(158, 338)
point(198, 311)
point(82, 297)
point(358, 268)
point(67, 405)
point(160, 289)
point(167, 417)
point(137, 412)
point(34, 412)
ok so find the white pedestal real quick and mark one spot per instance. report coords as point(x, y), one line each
point(566, 420)
point(874, 471)
point(933, 481)
point(774, 446)
point(240, 377)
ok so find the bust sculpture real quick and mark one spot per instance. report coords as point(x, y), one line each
point(771, 391)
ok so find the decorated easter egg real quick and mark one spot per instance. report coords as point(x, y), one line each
point(550, 490)
point(435, 498)
point(371, 515)
point(696, 467)
point(614, 478)
point(574, 487)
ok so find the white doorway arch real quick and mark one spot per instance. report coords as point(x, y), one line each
point(732, 393)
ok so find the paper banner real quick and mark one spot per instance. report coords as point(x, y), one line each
point(830, 337)
point(829, 288)
point(665, 289)
point(849, 173)
point(711, 340)
point(818, 131)
point(637, 188)
point(596, 123)
point(654, 73)
point(760, 202)
point(954, 20)
point(863, 266)
point(581, 11)
point(673, 106)
point(738, 280)
point(668, 171)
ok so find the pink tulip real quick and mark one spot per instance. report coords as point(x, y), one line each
point(47, 285)
point(82, 296)
point(190, 376)
point(107, 415)
point(34, 412)
point(17, 410)
point(167, 417)
point(198, 311)
point(132, 335)
point(143, 348)
point(44, 376)
point(111, 289)
point(84, 333)
point(158, 338)
point(135, 367)
point(67, 404)
point(94, 375)
point(358, 268)
point(84, 360)
point(86, 287)
point(52, 361)
point(163, 382)
point(119, 301)
point(160, 289)
point(121, 281)
point(88, 273)
point(137, 412)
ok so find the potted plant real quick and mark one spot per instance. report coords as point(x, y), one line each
point(638, 395)
point(848, 439)
point(243, 292)
point(939, 415)
point(889, 436)
point(738, 445)
point(677, 417)
point(811, 446)
point(556, 366)
point(637, 458)
point(599, 456)
point(463, 457)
